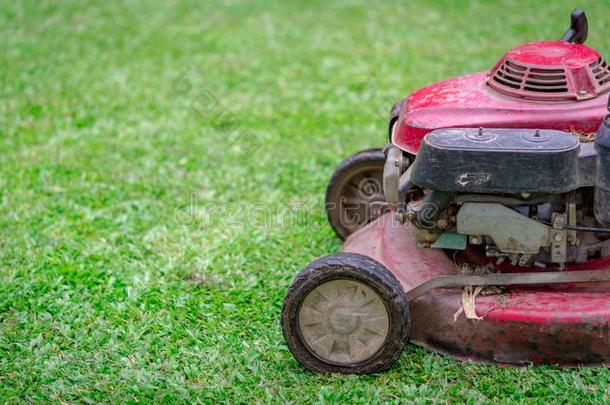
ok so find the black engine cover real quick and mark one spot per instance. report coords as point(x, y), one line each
point(497, 161)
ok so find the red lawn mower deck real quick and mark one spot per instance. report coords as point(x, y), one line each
point(566, 325)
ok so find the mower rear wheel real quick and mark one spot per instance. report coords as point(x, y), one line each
point(346, 313)
point(354, 196)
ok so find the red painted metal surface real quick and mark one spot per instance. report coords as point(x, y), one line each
point(555, 54)
point(470, 101)
point(564, 325)
point(551, 70)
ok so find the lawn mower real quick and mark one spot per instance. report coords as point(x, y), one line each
point(481, 231)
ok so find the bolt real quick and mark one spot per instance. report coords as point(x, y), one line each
point(558, 237)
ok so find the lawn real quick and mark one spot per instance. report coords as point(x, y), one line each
point(162, 172)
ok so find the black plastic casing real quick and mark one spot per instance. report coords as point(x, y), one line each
point(469, 160)
point(602, 180)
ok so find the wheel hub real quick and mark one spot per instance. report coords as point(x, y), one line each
point(343, 322)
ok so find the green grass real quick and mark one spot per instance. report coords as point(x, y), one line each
point(113, 289)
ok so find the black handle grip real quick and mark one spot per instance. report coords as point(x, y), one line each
point(579, 28)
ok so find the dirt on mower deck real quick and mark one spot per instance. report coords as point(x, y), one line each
point(565, 325)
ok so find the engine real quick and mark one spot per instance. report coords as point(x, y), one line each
point(530, 197)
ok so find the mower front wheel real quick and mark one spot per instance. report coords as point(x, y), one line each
point(354, 196)
point(346, 313)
